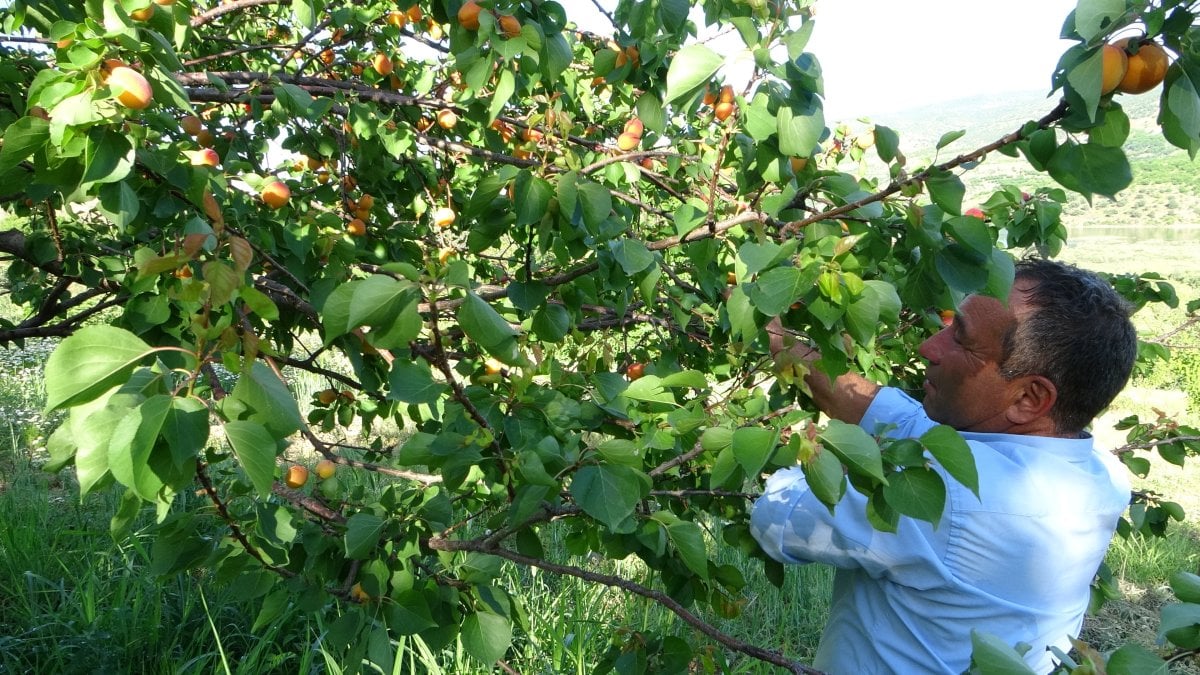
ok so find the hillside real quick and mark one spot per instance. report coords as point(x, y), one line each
point(1166, 184)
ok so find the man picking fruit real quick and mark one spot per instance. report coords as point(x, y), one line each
point(1020, 381)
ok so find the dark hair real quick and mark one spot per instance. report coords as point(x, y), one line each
point(1078, 336)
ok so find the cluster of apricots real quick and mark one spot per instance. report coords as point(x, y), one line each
point(296, 475)
point(722, 102)
point(1132, 65)
point(468, 18)
point(631, 135)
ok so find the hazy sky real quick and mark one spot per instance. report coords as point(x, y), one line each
point(884, 55)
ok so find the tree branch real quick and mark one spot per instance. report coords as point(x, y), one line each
point(769, 656)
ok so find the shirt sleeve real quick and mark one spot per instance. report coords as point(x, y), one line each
point(793, 526)
point(896, 415)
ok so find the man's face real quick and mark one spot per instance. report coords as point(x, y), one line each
point(963, 385)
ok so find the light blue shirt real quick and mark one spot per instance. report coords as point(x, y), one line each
point(1015, 562)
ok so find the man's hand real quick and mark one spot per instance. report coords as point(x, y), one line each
point(845, 398)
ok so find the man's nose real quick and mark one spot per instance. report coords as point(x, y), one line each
point(931, 349)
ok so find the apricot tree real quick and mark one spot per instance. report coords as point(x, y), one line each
point(546, 256)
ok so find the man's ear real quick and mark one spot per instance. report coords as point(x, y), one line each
point(1034, 399)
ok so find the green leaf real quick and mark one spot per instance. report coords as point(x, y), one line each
point(759, 256)
point(887, 142)
point(255, 450)
point(886, 297)
point(528, 296)
point(650, 112)
point(825, 477)
point(953, 454)
point(917, 492)
point(946, 190)
point(531, 196)
point(274, 406)
point(119, 203)
point(961, 268)
point(691, 68)
point(688, 540)
point(486, 636)
point(608, 492)
point(411, 382)
point(632, 255)
point(1186, 586)
point(375, 299)
point(1131, 659)
point(185, 429)
point(486, 327)
point(1090, 169)
point(649, 388)
point(799, 130)
point(305, 13)
point(1180, 623)
point(89, 363)
point(855, 447)
point(777, 289)
point(693, 379)
point(715, 439)
point(362, 534)
point(132, 445)
point(595, 201)
point(1085, 79)
point(506, 86)
point(949, 137)
point(21, 139)
point(1180, 112)
point(409, 613)
point(1095, 17)
point(992, 656)
point(1113, 131)
point(752, 446)
point(862, 317)
point(552, 323)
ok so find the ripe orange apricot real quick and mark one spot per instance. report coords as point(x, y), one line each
point(635, 127)
point(415, 14)
point(382, 63)
point(275, 194)
point(726, 95)
point(130, 87)
point(191, 125)
point(296, 476)
point(1116, 64)
point(509, 25)
point(206, 157)
point(443, 217)
point(627, 142)
point(710, 96)
point(1147, 66)
point(142, 14)
point(468, 15)
point(356, 228)
point(397, 19)
point(635, 371)
point(723, 110)
point(326, 468)
point(446, 119)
